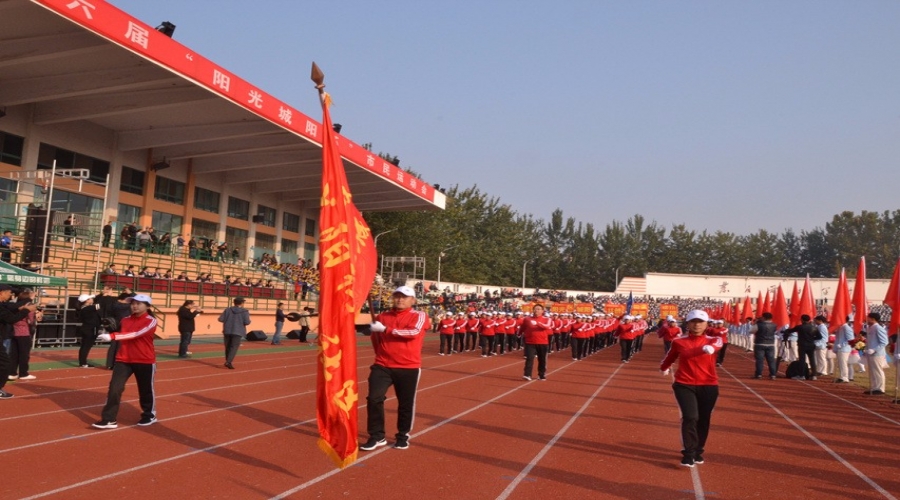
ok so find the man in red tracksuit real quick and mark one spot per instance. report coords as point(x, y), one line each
point(135, 355)
point(536, 332)
point(669, 332)
point(626, 333)
point(397, 338)
point(696, 384)
point(446, 328)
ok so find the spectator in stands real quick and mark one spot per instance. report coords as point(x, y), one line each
point(168, 275)
point(6, 246)
point(9, 315)
point(235, 256)
point(269, 284)
point(110, 269)
point(144, 240)
point(124, 237)
point(156, 274)
point(234, 328)
point(89, 315)
point(297, 289)
point(129, 271)
point(107, 234)
point(186, 314)
point(20, 348)
point(162, 246)
point(145, 272)
point(192, 248)
point(69, 227)
point(182, 277)
point(279, 323)
point(221, 251)
point(136, 356)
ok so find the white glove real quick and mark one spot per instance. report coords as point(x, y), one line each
point(665, 373)
point(708, 349)
point(104, 337)
point(870, 352)
point(376, 327)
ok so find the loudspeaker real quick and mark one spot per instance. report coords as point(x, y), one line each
point(36, 224)
point(294, 335)
point(256, 336)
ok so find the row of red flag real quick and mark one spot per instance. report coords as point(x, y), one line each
point(803, 303)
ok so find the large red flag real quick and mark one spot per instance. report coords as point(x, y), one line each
point(860, 304)
point(841, 308)
point(779, 309)
point(759, 304)
point(807, 302)
point(767, 303)
point(892, 299)
point(347, 266)
point(795, 307)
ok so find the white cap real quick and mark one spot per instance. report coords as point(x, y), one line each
point(628, 316)
point(720, 321)
point(638, 316)
point(519, 312)
point(670, 318)
point(140, 298)
point(84, 297)
point(405, 290)
point(698, 314)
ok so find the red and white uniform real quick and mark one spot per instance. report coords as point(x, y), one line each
point(447, 326)
point(669, 333)
point(400, 344)
point(136, 337)
point(695, 367)
point(537, 330)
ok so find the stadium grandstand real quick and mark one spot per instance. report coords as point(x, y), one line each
point(107, 122)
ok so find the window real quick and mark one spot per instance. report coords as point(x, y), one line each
point(169, 190)
point(8, 198)
point(206, 200)
point(132, 181)
point(11, 148)
point(310, 227)
point(236, 238)
point(166, 223)
point(204, 229)
point(69, 159)
point(288, 246)
point(128, 214)
point(309, 252)
point(290, 222)
point(265, 242)
point(238, 208)
point(268, 215)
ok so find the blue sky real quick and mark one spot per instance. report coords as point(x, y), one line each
point(732, 116)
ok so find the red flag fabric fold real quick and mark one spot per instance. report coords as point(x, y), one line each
point(860, 304)
point(347, 265)
point(779, 309)
point(892, 299)
point(795, 306)
point(841, 308)
point(807, 302)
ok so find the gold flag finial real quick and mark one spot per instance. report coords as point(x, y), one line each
point(317, 76)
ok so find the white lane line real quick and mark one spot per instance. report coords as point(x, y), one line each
point(863, 408)
point(537, 458)
point(235, 441)
point(814, 439)
point(373, 454)
point(698, 486)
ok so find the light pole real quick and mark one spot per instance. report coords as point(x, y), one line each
point(375, 244)
point(441, 255)
point(616, 285)
point(524, 264)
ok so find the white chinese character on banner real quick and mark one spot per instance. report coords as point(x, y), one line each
point(412, 183)
point(424, 189)
point(86, 7)
point(370, 160)
point(399, 175)
point(285, 115)
point(311, 128)
point(255, 99)
point(385, 168)
point(137, 34)
point(221, 80)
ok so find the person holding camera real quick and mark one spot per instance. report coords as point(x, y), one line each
point(234, 328)
point(186, 326)
point(20, 347)
point(89, 315)
point(9, 315)
point(279, 323)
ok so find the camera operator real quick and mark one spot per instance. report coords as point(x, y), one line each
point(117, 308)
point(21, 341)
point(89, 315)
point(186, 314)
point(9, 315)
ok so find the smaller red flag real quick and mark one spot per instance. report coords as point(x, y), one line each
point(892, 299)
point(795, 307)
point(807, 303)
point(841, 308)
point(759, 304)
point(860, 304)
point(748, 309)
point(779, 309)
point(767, 303)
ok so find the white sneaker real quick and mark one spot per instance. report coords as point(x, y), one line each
point(28, 377)
point(12, 377)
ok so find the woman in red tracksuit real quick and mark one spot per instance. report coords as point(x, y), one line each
point(536, 331)
point(446, 328)
point(669, 332)
point(696, 384)
point(397, 339)
point(626, 333)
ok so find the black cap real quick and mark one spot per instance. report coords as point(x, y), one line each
point(4, 286)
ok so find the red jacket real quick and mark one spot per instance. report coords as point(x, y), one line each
point(718, 331)
point(400, 344)
point(668, 333)
point(695, 367)
point(488, 327)
point(473, 325)
point(536, 330)
point(626, 331)
point(447, 326)
point(136, 337)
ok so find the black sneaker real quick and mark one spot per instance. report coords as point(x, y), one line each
point(401, 444)
point(4, 394)
point(687, 462)
point(145, 421)
point(373, 443)
point(105, 424)
point(698, 459)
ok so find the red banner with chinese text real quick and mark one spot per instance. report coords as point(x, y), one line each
point(347, 267)
point(640, 309)
point(562, 307)
point(584, 308)
point(614, 309)
point(668, 310)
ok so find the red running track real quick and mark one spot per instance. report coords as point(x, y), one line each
point(596, 429)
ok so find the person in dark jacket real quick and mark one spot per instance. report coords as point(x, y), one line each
point(764, 345)
point(186, 326)
point(807, 335)
point(279, 323)
point(8, 317)
point(89, 315)
point(118, 310)
point(234, 328)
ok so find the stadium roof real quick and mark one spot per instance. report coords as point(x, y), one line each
point(88, 61)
